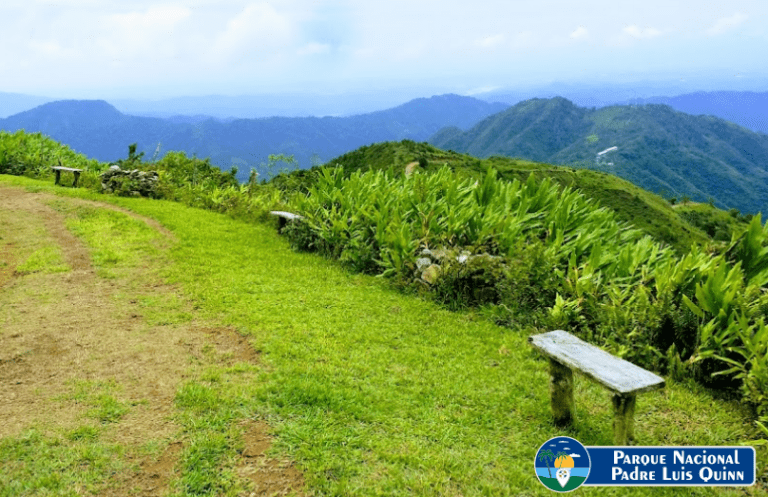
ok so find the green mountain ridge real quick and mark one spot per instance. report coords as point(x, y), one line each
point(659, 149)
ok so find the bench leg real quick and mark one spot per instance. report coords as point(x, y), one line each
point(623, 419)
point(561, 392)
point(58, 177)
point(77, 177)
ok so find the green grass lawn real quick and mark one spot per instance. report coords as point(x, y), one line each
point(373, 392)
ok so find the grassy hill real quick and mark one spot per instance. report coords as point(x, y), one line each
point(366, 391)
point(641, 208)
point(659, 149)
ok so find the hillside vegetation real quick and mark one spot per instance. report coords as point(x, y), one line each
point(513, 256)
point(367, 390)
point(533, 253)
point(659, 149)
point(632, 204)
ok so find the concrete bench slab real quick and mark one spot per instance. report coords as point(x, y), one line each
point(59, 169)
point(283, 217)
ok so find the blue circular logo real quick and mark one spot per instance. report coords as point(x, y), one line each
point(562, 464)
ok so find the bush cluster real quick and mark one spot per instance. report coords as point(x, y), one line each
point(33, 155)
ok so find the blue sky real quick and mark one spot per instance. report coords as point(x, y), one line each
point(151, 49)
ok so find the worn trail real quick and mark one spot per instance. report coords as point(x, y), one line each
point(61, 332)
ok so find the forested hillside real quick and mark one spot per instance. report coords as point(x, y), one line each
point(658, 148)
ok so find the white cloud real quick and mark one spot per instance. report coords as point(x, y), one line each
point(490, 41)
point(412, 50)
point(151, 33)
point(636, 32)
point(727, 24)
point(53, 49)
point(186, 44)
point(257, 28)
point(160, 16)
point(364, 52)
point(579, 33)
point(313, 48)
point(480, 90)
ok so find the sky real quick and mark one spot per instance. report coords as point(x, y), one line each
point(154, 49)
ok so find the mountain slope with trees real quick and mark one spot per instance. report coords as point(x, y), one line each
point(662, 150)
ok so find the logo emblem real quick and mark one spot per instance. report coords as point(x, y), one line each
point(562, 464)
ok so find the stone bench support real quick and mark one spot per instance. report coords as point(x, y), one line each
point(561, 392)
point(623, 418)
point(568, 353)
point(59, 169)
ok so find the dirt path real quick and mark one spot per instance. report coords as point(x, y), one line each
point(69, 330)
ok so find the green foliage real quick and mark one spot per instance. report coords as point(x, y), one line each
point(179, 171)
point(554, 257)
point(33, 154)
point(717, 224)
point(537, 248)
point(369, 391)
point(273, 160)
point(133, 161)
point(470, 283)
point(748, 248)
point(399, 214)
point(648, 212)
point(195, 182)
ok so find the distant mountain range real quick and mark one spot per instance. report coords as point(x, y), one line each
point(658, 148)
point(256, 106)
point(745, 108)
point(96, 129)
point(13, 103)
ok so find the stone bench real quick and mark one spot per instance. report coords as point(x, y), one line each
point(283, 217)
point(567, 353)
point(59, 169)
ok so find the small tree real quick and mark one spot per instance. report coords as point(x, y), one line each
point(133, 159)
point(275, 159)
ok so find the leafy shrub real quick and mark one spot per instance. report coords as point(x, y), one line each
point(470, 281)
point(33, 154)
point(300, 236)
point(531, 282)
